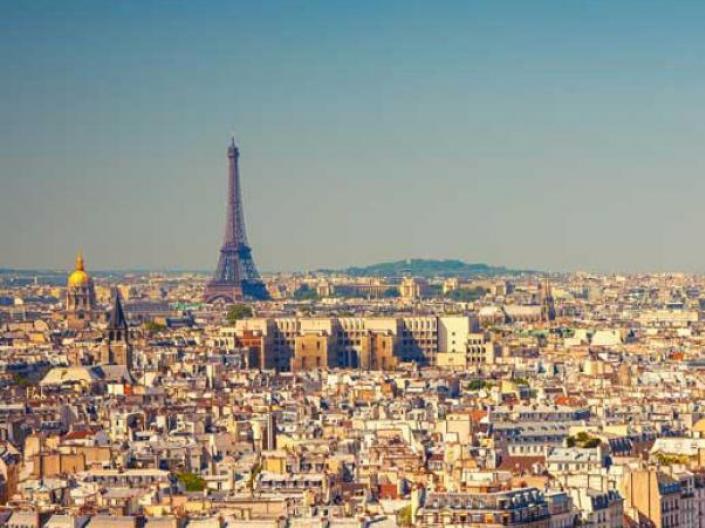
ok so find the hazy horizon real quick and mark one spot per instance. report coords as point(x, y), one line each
point(209, 272)
point(552, 136)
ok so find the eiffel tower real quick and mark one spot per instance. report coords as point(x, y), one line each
point(236, 277)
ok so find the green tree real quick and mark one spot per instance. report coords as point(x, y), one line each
point(476, 385)
point(466, 294)
point(152, 327)
point(391, 293)
point(237, 312)
point(582, 437)
point(21, 380)
point(305, 293)
point(667, 460)
point(191, 481)
point(583, 440)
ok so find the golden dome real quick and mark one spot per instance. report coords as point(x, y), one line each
point(79, 277)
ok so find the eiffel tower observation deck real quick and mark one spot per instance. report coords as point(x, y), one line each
point(236, 277)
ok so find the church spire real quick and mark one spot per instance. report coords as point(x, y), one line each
point(117, 321)
point(116, 347)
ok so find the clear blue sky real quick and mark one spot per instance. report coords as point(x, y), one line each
point(552, 135)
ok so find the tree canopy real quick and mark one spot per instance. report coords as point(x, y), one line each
point(153, 327)
point(237, 312)
point(305, 293)
point(466, 294)
point(192, 482)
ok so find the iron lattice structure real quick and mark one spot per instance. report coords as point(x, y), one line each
point(236, 276)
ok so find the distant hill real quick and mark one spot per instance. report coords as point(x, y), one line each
point(432, 268)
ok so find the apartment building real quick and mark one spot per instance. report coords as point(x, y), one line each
point(525, 507)
point(654, 495)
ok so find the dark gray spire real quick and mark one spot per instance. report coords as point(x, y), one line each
point(117, 320)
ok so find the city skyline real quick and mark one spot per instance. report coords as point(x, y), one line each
point(547, 137)
point(373, 264)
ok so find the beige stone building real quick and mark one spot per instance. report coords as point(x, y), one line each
point(653, 495)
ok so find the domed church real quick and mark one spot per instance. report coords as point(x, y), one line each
point(80, 296)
